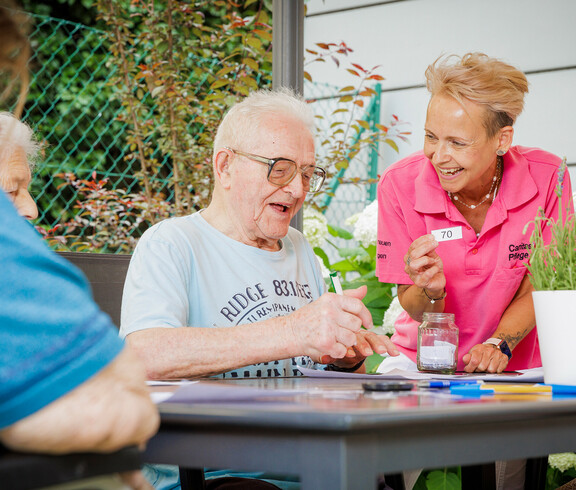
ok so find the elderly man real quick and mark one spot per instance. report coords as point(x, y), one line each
point(233, 289)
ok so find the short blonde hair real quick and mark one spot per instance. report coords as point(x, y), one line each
point(498, 86)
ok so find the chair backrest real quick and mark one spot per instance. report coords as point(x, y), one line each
point(106, 273)
point(27, 471)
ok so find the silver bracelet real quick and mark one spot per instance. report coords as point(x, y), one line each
point(433, 300)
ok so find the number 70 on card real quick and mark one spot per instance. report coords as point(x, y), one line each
point(445, 234)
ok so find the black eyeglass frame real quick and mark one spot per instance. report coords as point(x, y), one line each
point(272, 161)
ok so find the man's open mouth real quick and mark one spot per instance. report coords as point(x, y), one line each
point(280, 207)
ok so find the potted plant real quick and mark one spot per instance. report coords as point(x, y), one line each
point(552, 269)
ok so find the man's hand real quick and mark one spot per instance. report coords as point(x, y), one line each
point(330, 326)
point(111, 410)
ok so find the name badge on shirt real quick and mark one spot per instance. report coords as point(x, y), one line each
point(445, 234)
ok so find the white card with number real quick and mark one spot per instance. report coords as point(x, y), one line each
point(445, 234)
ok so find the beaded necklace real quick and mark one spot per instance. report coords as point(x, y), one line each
point(492, 192)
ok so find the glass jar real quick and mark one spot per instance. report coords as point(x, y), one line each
point(437, 344)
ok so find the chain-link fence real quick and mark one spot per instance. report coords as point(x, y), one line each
point(72, 109)
point(349, 187)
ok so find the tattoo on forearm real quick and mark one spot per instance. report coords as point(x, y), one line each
point(514, 339)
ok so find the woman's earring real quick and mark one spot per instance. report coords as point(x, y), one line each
point(501, 153)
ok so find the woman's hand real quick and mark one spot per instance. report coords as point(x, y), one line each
point(425, 267)
point(485, 358)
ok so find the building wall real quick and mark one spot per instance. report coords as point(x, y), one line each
point(405, 36)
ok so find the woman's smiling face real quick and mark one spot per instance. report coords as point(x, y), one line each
point(457, 145)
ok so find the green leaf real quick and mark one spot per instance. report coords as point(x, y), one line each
point(343, 266)
point(443, 480)
point(377, 315)
point(391, 143)
point(225, 71)
point(340, 232)
point(254, 42)
point(320, 253)
point(219, 83)
point(157, 90)
point(372, 362)
point(342, 164)
point(363, 123)
point(352, 252)
point(252, 63)
point(378, 298)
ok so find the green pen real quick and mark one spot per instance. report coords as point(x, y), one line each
point(336, 283)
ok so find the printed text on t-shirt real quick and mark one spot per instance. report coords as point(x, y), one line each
point(254, 303)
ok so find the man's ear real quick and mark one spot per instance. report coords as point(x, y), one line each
point(222, 162)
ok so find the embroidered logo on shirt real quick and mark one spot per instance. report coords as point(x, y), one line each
point(519, 252)
point(382, 243)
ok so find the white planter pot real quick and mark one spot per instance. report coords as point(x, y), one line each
point(556, 326)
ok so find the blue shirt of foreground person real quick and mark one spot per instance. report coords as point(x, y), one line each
point(66, 382)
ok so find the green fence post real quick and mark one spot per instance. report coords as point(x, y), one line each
point(373, 162)
point(373, 116)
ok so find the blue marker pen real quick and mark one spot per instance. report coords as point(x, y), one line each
point(446, 383)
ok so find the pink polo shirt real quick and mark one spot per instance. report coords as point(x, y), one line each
point(482, 273)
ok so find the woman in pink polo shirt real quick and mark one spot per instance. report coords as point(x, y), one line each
point(471, 185)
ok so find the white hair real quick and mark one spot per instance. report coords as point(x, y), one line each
point(243, 120)
point(15, 133)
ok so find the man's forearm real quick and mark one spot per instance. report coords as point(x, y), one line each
point(111, 410)
point(185, 352)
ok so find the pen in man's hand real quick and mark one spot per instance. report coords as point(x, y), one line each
point(338, 290)
point(336, 283)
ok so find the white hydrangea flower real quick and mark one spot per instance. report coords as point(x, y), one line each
point(562, 461)
point(365, 224)
point(315, 227)
point(391, 315)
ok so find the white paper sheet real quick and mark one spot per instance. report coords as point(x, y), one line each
point(206, 392)
point(176, 382)
point(535, 375)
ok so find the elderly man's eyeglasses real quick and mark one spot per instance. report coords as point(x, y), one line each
point(282, 171)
